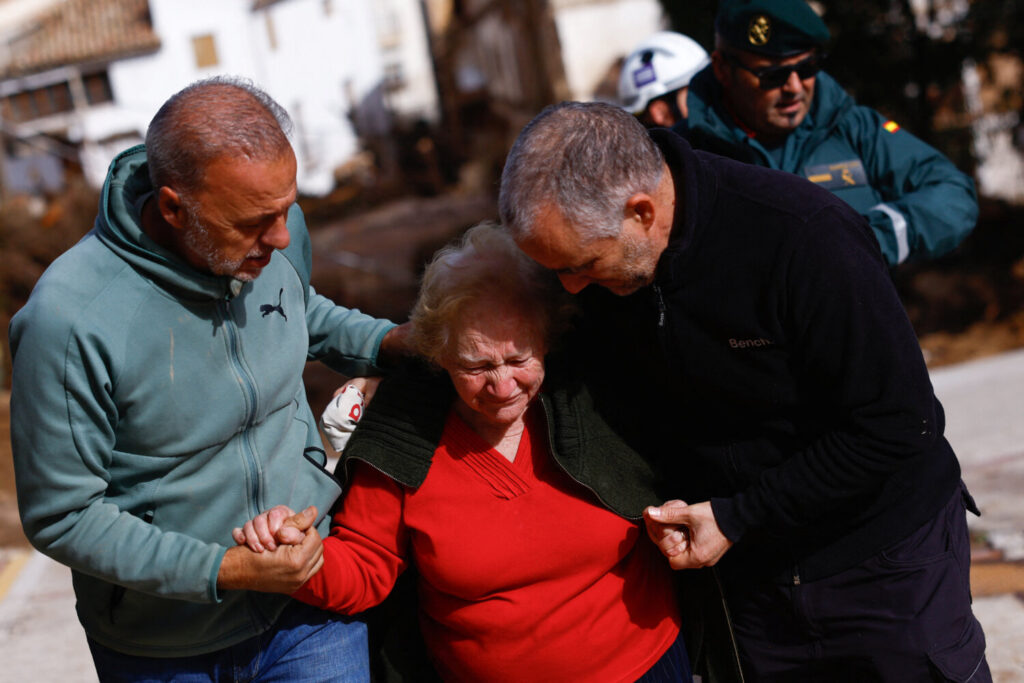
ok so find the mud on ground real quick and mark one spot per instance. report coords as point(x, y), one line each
point(970, 303)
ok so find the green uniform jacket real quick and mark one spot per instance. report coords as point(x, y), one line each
point(154, 408)
point(918, 204)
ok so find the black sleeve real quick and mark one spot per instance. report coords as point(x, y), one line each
point(856, 354)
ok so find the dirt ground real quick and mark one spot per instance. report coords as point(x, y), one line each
point(970, 303)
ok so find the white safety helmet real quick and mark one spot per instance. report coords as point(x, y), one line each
point(664, 62)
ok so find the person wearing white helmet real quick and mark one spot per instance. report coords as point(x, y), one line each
point(654, 78)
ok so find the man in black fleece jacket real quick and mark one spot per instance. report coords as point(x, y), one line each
point(746, 337)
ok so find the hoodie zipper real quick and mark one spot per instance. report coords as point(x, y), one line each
point(248, 384)
point(662, 309)
point(663, 334)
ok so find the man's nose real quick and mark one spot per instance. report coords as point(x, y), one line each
point(277, 236)
point(574, 284)
point(793, 84)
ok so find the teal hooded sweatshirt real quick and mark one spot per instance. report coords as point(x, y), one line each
point(154, 408)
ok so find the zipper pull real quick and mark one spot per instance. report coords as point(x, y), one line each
point(661, 306)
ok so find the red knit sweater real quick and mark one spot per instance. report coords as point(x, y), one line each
point(523, 576)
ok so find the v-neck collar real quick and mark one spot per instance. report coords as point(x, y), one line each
point(507, 479)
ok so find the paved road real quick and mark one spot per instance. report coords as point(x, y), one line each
point(40, 639)
point(985, 425)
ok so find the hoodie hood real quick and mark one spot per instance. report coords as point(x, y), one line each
point(119, 226)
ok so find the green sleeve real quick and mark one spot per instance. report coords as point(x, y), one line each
point(928, 206)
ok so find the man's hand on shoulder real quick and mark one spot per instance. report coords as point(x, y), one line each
point(395, 345)
point(687, 535)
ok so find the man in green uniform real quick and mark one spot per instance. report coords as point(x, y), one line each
point(765, 93)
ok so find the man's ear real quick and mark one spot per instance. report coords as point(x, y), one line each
point(721, 68)
point(640, 207)
point(171, 209)
point(660, 113)
point(681, 97)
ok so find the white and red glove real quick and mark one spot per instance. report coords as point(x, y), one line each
point(341, 416)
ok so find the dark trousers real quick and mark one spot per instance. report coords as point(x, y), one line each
point(902, 616)
point(671, 667)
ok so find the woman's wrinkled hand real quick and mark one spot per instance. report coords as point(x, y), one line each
point(271, 528)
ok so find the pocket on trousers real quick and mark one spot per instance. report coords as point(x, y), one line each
point(961, 660)
point(929, 545)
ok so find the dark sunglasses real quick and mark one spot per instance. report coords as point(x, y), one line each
point(772, 77)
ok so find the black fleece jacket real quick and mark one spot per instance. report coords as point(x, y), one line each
point(776, 372)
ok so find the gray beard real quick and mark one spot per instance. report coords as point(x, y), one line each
point(198, 241)
point(639, 263)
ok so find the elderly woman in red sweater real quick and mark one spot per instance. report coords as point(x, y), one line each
point(518, 506)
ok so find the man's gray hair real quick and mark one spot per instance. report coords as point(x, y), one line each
point(223, 116)
point(586, 159)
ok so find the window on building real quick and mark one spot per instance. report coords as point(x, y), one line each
point(41, 102)
point(205, 49)
point(61, 95)
point(10, 108)
point(37, 103)
point(24, 107)
point(97, 88)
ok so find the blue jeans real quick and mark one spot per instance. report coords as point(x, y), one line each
point(306, 644)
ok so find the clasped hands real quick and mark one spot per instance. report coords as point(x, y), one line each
point(687, 535)
point(277, 552)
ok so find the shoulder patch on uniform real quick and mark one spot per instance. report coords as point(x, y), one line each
point(837, 175)
point(891, 126)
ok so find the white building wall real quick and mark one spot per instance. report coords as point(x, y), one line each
point(141, 84)
point(494, 51)
point(324, 64)
point(321, 60)
point(595, 33)
point(1000, 171)
point(403, 41)
point(177, 22)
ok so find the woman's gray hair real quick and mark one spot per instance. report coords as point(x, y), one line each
point(485, 262)
point(223, 116)
point(585, 159)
